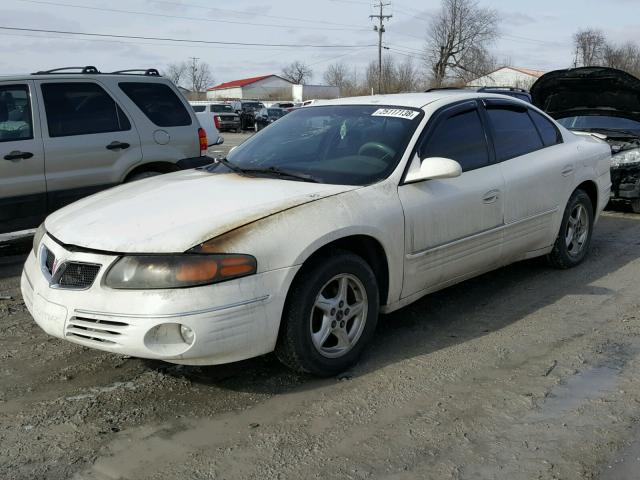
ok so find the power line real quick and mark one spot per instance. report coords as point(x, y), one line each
point(182, 40)
point(240, 12)
point(179, 17)
point(380, 29)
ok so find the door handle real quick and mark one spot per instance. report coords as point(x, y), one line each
point(567, 170)
point(117, 146)
point(491, 196)
point(18, 155)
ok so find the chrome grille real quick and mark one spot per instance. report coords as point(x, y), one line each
point(49, 259)
point(77, 275)
point(93, 330)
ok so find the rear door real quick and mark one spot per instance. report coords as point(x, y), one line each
point(89, 139)
point(538, 171)
point(22, 181)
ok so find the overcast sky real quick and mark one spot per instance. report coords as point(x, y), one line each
point(535, 34)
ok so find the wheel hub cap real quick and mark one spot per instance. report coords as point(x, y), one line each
point(338, 315)
point(577, 230)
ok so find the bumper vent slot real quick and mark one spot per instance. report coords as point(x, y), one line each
point(105, 332)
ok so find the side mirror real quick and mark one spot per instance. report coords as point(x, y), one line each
point(433, 168)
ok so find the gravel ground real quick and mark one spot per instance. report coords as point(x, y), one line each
point(524, 373)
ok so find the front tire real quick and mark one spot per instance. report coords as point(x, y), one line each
point(635, 205)
point(576, 229)
point(142, 176)
point(330, 315)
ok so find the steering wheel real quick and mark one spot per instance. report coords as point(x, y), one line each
point(378, 148)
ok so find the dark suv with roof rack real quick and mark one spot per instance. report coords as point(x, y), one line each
point(96, 130)
point(519, 93)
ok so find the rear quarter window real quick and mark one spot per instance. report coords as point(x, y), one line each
point(158, 102)
point(548, 131)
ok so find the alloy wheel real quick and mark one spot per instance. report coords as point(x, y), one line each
point(338, 315)
point(577, 230)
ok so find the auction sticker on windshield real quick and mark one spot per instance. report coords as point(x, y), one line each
point(396, 113)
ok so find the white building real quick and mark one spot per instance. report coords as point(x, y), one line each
point(270, 87)
point(260, 88)
point(508, 77)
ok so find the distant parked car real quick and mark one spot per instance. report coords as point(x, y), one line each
point(309, 229)
point(228, 119)
point(247, 110)
point(515, 92)
point(266, 116)
point(67, 133)
point(604, 102)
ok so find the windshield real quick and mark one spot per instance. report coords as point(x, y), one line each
point(252, 105)
point(221, 108)
point(600, 122)
point(276, 112)
point(344, 144)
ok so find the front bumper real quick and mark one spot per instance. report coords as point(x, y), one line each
point(626, 183)
point(231, 321)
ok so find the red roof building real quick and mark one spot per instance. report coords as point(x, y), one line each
point(260, 88)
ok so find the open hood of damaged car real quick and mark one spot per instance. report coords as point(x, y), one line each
point(588, 91)
point(172, 213)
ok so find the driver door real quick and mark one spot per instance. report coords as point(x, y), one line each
point(453, 227)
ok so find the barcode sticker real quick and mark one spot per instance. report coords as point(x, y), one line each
point(395, 113)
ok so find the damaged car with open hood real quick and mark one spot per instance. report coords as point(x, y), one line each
point(605, 103)
point(306, 231)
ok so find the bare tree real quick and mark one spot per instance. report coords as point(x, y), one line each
point(198, 76)
point(176, 72)
point(459, 29)
point(297, 72)
point(589, 46)
point(478, 62)
point(623, 57)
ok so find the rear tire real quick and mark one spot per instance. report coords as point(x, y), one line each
point(576, 229)
point(142, 176)
point(330, 315)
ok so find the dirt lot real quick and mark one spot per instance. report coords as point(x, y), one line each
point(524, 373)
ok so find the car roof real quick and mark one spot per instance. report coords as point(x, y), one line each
point(76, 76)
point(414, 100)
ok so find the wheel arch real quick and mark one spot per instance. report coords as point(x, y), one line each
point(591, 189)
point(162, 167)
point(365, 246)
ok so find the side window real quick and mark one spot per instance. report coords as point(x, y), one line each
point(548, 131)
point(15, 113)
point(81, 109)
point(460, 138)
point(514, 134)
point(158, 102)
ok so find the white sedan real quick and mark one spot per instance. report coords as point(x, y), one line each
point(312, 227)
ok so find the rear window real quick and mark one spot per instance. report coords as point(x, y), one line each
point(514, 133)
point(199, 108)
point(222, 109)
point(158, 102)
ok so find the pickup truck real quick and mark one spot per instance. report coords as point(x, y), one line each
point(211, 125)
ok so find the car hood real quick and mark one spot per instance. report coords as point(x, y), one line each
point(174, 212)
point(588, 91)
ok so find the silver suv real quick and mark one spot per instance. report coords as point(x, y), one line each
point(68, 133)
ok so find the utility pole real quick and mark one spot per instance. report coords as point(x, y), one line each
point(380, 29)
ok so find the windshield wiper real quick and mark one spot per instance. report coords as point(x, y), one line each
point(280, 173)
point(230, 165)
point(609, 131)
point(274, 171)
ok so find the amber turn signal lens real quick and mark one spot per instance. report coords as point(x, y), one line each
point(205, 270)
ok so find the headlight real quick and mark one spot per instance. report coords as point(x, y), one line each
point(177, 271)
point(626, 158)
point(37, 237)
